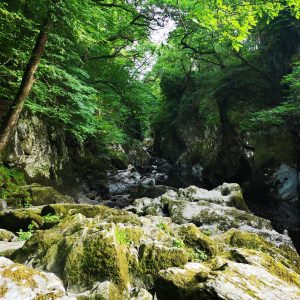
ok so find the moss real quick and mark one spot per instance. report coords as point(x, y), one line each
point(98, 258)
point(11, 182)
point(238, 201)
point(6, 235)
point(193, 237)
point(242, 239)
point(90, 211)
point(278, 269)
point(112, 293)
point(21, 275)
point(20, 219)
point(129, 235)
point(182, 284)
point(125, 219)
point(153, 258)
point(3, 290)
point(49, 296)
point(248, 240)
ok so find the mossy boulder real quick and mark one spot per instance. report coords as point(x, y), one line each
point(111, 245)
point(43, 195)
point(7, 236)
point(14, 220)
point(224, 279)
point(22, 282)
point(283, 254)
point(104, 253)
point(193, 237)
point(213, 211)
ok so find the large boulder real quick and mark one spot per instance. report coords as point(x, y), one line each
point(225, 279)
point(43, 195)
point(21, 282)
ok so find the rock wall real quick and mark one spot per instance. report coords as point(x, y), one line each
point(38, 149)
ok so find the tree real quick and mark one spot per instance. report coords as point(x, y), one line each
point(26, 84)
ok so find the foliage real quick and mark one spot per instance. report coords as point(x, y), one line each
point(51, 218)
point(94, 79)
point(122, 237)
point(26, 235)
point(178, 243)
point(284, 111)
point(87, 81)
point(11, 182)
point(198, 254)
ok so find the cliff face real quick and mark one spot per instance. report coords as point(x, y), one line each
point(38, 149)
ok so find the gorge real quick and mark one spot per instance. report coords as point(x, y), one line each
point(137, 165)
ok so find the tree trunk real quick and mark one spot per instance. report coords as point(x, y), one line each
point(26, 85)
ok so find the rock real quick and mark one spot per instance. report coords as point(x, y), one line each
point(197, 171)
point(226, 280)
point(21, 282)
point(8, 248)
point(38, 148)
point(14, 220)
point(138, 155)
point(148, 191)
point(101, 290)
point(228, 194)
point(7, 236)
point(3, 204)
point(214, 211)
point(99, 252)
point(112, 245)
point(140, 294)
point(148, 181)
point(43, 195)
point(285, 182)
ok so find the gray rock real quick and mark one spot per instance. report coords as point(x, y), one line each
point(21, 282)
point(39, 152)
point(215, 211)
point(8, 248)
point(286, 181)
point(227, 280)
point(3, 204)
point(7, 236)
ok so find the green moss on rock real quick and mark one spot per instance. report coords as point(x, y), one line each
point(193, 237)
point(20, 219)
point(154, 258)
